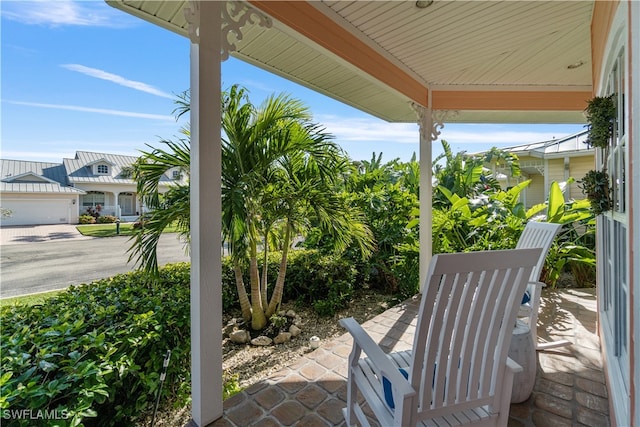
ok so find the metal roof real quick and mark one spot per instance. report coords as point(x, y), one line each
point(568, 145)
point(20, 176)
point(79, 169)
point(491, 61)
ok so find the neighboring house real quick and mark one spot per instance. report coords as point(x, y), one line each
point(37, 193)
point(548, 161)
point(53, 193)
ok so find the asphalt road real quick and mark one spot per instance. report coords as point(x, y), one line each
point(43, 266)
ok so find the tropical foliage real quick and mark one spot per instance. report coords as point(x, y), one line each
point(387, 195)
point(475, 214)
point(280, 175)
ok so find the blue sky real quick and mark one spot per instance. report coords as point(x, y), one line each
point(80, 75)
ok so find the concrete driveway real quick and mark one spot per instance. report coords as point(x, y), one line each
point(43, 258)
point(20, 234)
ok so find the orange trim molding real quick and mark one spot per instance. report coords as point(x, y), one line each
point(510, 100)
point(601, 21)
point(308, 21)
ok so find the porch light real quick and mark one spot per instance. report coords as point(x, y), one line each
point(423, 4)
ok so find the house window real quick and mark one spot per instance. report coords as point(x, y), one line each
point(103, 169)
point(176, 175)
point(617, 157)
point(93, 198)
point(614, 274)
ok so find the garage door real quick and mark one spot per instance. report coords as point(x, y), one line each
point(33, 212)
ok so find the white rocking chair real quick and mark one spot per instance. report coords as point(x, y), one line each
point(458, 372)
point(537, 235)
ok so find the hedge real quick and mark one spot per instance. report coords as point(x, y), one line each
point(93, 355)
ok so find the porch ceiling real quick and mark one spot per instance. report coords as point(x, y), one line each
point(493, 61)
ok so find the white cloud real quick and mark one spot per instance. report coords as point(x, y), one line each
point(95, 110)
point(65, 12)
point(114, 78)
point(368, 129)
point(488, 137)
point(363, 129)
point(258, 85)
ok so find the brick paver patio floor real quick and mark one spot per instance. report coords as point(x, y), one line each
point(570, 386)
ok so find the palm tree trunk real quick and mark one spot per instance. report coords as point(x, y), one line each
point(276, 298)
point(258, 319)
point(263, 288)
point(245, 305)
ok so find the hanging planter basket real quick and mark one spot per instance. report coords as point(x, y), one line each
point(595, 185)
point(601, 115)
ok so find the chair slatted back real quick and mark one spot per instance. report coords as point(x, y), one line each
point(538, 235)
point(467, 314)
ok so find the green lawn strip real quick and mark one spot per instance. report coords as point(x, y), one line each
point(31, 299)
point(109, 230)
point(105, 230)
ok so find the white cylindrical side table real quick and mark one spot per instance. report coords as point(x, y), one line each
point(523, 351)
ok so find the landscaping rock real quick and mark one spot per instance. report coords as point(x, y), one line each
point(294, 330)
point(240, 337)
point(291, 313)
point(261, 340)
point(282, 338)
point(229, 328)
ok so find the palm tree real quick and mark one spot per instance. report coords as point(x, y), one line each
point(279, 170)
point(170, 208)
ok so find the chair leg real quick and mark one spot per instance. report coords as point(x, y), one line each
point(505, 402)
point(349, 411)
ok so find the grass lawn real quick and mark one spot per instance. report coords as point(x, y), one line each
point(109, 230)
point(29, 299)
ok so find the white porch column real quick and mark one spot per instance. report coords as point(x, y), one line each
point(206, 269)
point(425, 121)
point(118, 210)
point(214, 28)
point(431, 122)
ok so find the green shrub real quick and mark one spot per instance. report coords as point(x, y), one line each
point(324, 280)
point(312, 277)
point(278, 321)
point(106, 219)
point(95, 352)
point(231, 385)
point(86, 219)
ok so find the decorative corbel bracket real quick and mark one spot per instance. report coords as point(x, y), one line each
point(430, 129)
point(235, 15)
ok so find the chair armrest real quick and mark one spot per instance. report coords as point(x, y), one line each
point(378, 358)
point(541, 284)
point(513, 365)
